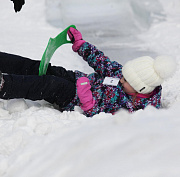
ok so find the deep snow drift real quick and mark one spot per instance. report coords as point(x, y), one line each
point(37, 140)
point(111, 25)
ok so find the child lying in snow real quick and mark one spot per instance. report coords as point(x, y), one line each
point(113, 86)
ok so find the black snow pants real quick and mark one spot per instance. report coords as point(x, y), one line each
point(21, 80)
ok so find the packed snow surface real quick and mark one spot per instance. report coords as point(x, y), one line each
point(37, 140)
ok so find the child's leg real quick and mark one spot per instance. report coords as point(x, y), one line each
point(14, 64)
point(61, 72)
point(50, 88)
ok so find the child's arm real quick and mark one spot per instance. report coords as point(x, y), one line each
point(95, 58)
point(98, 61)
point(84, 93)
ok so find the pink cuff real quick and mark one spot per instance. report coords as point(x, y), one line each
point(84, 93)
point(77, 45)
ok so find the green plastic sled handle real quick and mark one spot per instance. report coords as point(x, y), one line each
point(53, 44)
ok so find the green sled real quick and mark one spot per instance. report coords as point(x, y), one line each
point(53, 44)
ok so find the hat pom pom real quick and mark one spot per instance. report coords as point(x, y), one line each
point(165, 66)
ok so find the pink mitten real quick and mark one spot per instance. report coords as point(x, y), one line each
point(84, 93)
point(76, 38)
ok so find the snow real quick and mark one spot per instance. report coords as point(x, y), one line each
point(38, 140)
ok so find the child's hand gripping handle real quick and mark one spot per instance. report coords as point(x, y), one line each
point(84, 93)
point(76, 38)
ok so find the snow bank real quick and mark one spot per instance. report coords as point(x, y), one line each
point(110, 25)
point(70, 145)
point(122, 17)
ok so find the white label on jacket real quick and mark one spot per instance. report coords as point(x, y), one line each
point(84, 83)
point(111, 81)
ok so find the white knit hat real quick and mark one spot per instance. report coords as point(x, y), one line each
point(144, 74)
